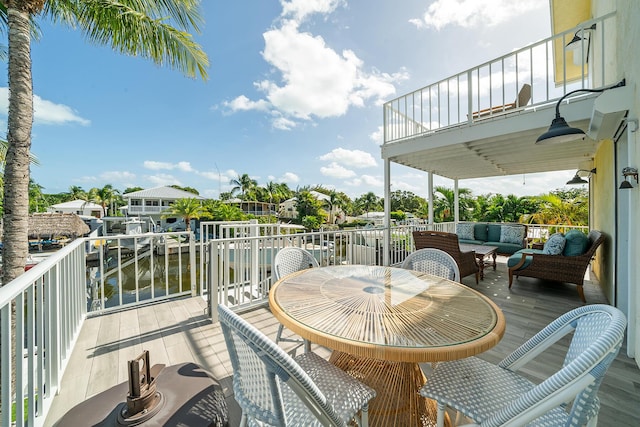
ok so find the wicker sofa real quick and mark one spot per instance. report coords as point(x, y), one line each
point(448, 242)
point(560, 268)
point(507, 237)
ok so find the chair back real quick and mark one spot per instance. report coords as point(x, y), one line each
point(291, 259)
point(261, 369)
point(433, 261)
point(598, 331)
point(447, 242)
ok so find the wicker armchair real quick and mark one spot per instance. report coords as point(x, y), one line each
point(448, 242)
point(559, 268)
point(502, 394)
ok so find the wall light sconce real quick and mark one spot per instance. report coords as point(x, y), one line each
point(560, 131)
point(578, 180)
point(628, 172)
point(578, 46)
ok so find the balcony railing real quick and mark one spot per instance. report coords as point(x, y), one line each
point(94, 275)
point(491, 89)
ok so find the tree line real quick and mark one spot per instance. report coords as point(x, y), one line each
point(556, 207)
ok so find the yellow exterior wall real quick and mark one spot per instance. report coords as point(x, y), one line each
point(566, 14)
point(603, 216)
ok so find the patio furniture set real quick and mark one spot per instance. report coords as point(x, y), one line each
point(384, 325)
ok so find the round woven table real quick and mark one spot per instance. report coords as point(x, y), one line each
point(381, 322)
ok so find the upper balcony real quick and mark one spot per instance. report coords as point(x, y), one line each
point(483, 121)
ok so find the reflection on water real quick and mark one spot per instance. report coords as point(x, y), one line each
point(129, 279)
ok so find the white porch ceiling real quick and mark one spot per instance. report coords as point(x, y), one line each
point(500, 145)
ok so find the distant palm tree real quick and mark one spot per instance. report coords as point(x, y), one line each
point(187, 209)
point(77, 193)
point(103, 196)
point(243, 184)
point(369, 201)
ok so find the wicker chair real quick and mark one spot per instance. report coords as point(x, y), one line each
point(275, 389)
point(433, 261)
point(559, 268)
point(289, 260)
point(448, 242)
point(496, 395)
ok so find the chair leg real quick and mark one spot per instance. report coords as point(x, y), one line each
point(279, 334)
point(510, 278)
point(440, 420)
point(307, 346)
point(364, 416)
point(477, 277)
point(581, 293)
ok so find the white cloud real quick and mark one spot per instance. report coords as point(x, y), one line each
point(283, 123)
point(313, 79)
point(242, 103)
point(474, 13)
point(163, 179)
point(366, 180)
point(117, 176)
point(182, 166)
point(300, 9)
point(45, 112)
point(289, 178)
point(377, 136)
point(353, 158)
point(334, 170)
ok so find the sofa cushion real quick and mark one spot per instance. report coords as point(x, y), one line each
point(576, 244)
point(493, 232)
point(505, 248)
point(480, 232)
point(470, 242)
point(464, 230)
point(555, 244)
point(516, 257)
point(512, 234)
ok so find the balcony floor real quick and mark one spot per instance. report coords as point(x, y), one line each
point(179, 331)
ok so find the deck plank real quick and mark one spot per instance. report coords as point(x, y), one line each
point(179, 330)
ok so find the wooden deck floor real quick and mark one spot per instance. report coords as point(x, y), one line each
point(179, 331)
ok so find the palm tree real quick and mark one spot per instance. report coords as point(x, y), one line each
point(187, 209)
point(368, 202)
point(104, 196)
point(158, 30)
point(77, 193)
point(243, 184)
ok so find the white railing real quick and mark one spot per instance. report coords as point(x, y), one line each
point(238, 270)
point(539, 233)
point(50, 307)
point(491, 89)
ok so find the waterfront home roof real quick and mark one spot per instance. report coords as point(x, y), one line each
point(76, 204)
point(162, 193)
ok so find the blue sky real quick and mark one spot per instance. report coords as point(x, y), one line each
point(294, 95)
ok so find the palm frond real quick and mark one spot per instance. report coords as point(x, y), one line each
point(157, 30)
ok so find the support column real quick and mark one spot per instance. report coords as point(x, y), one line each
point(431, 198)
point(456, 202)
point(386, 241)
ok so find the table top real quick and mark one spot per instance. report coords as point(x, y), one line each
point(387, 313)
point(478, 249)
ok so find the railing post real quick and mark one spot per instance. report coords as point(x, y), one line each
point(192, 263)
point(469, 97)
point(255, 253)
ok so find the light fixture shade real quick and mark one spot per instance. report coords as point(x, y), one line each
point(560, 132)
point(625, 185)
point(577, 180)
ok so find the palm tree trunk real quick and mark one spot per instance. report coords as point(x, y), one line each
point(16, 172)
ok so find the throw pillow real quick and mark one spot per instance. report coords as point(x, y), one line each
point(512, 234)
point(554, 245)
point(576, 244)
point(464, 230)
